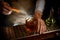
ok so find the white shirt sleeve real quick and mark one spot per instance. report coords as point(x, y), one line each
point(40, 5)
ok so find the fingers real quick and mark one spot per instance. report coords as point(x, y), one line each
point(5, 5)
point(5, 8)
point(6, 12)
point(41, 27)
point(38, 30)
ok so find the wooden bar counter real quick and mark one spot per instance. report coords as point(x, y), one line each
point(17, 33)
point(44, 36)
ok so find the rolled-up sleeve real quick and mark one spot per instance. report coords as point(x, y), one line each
point(40, 5)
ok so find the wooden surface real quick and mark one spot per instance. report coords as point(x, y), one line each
point(19, 33)
point(46, 35)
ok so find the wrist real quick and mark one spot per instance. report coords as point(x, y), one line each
point(39, 13)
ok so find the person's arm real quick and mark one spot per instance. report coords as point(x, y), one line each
point(41, 27)
point(40, 6)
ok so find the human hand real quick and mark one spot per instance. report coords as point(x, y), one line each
point(41, 26)
point(39, 23)
point(5, 8)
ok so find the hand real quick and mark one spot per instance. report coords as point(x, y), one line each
point(41, 26)
point(37, 25)
point(5, 8)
